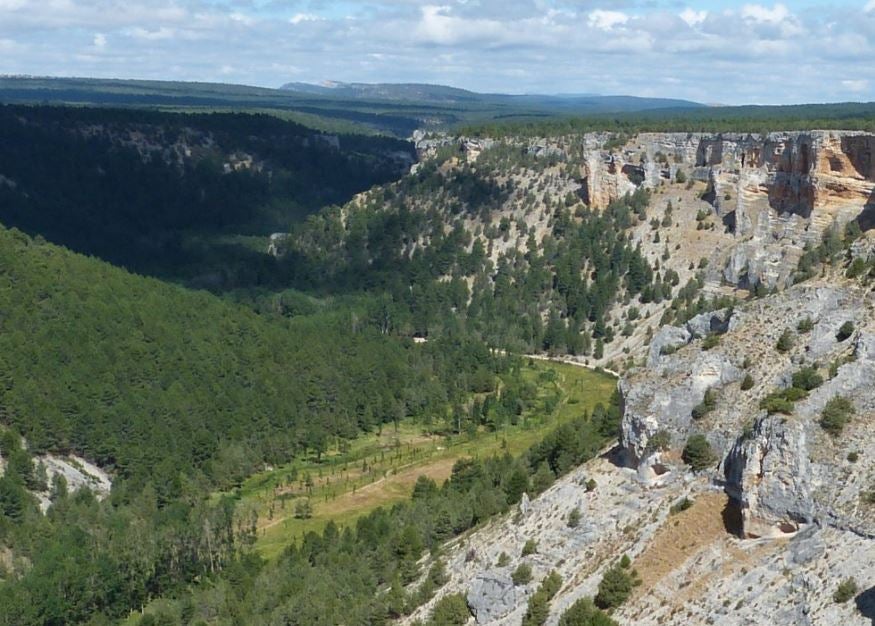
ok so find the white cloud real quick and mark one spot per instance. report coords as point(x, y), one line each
point(692, 17)
point(607, 20)
point(486, 45)
point(857, 86)
point(438, 26)
point(158, 34)
point(760, 13)
point(299, 18)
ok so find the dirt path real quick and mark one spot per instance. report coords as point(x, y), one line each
point(570, 361)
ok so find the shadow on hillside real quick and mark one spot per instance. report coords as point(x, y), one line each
point(732, 519)
point(866, 219)
point(866, 604)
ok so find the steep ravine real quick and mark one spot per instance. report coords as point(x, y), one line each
point(778, 520)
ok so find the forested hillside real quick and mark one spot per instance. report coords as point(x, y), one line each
point(169, 194)
point(505, 248)
point(152, 381)
point(717, 119)
point(176, 393)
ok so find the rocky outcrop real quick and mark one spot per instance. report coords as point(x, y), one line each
point(773, 194)
point(492, 595)
point(784, 471)
point(663, 404)
point(768, 473)
point(774, 477)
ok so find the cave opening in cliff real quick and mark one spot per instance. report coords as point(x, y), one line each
point(659, 469)
point(730, 222)
point(634, 173)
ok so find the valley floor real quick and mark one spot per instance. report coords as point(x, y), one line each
point(381, 469)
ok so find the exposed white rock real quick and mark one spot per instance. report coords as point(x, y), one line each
point(78, 473)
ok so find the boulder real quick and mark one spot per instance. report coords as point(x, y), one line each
point(667, 339)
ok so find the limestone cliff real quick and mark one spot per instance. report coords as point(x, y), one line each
point(775, 193)
point(782, 515)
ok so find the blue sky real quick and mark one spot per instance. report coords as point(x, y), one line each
point(707, 50)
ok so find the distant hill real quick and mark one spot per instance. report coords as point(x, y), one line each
point(416, 92)
point(396, 109)
point(385, 91)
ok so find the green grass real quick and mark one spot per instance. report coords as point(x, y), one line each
point(376, 470)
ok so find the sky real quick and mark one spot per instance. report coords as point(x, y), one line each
point(710, 51)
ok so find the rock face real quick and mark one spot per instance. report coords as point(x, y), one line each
point(491, 596)
point(774, 193)
point(769, 474)
point(784, 471)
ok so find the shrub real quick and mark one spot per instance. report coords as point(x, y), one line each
point(551, 584)
point(615, 587)
point(857, 268)
point(530, 548)
point(537, 611)
point(846, 590)
point(522, 575)
point(668, 350)
point(708, 403)
point(660, 441)
point(574, 518)
point(539, 604)
point(698, 453)
point(785, 341)
point(836, 415)
point(807, 378)
point(590, 485)
point(782, 401)
point(845, 331)
point(584, 613)
point(680, 177)
point(805, 325)
point(747, 383)
point(710, 341)
point(503, 560)
point(680, 506)
point(794, 394)
point(451, 610)
point(776, 403)
point(853, 456)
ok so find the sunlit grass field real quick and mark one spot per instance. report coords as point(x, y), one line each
point(380, 469)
